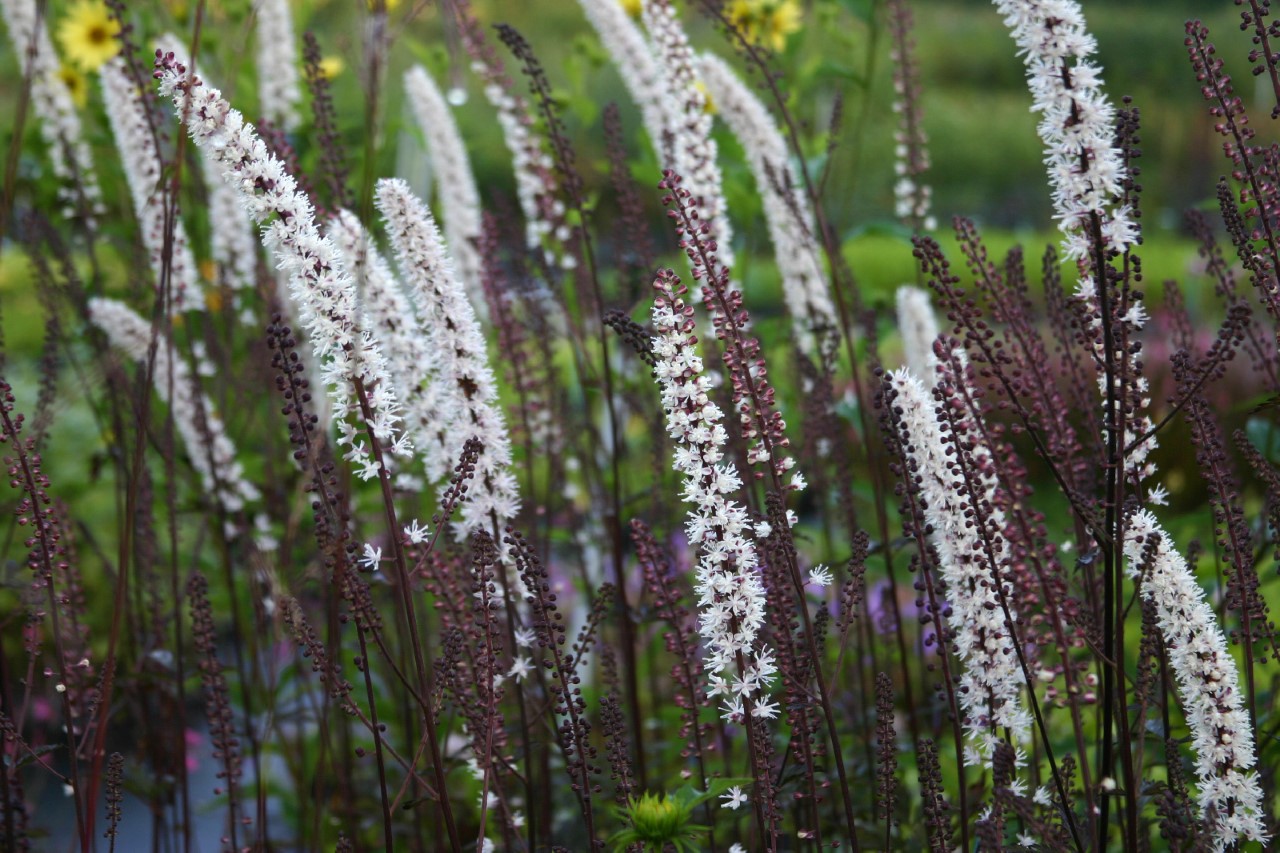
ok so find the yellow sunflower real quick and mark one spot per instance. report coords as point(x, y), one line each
point(332, 66)
point(766, 22)
point(88, 35)
point(77, 85)
point(709, 106)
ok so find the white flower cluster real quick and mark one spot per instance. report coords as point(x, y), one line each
point(233, 246)
point(468, 397)
point(991, 685)
point(1077, 121)
point(389, 316)
point(533, 167)
point(731, 597)
point(786, 208)
point(911, 198)
point(52, 105)
point(918, 327)
point(1230, 795)
point(633, 57)
point(534, 171)
point(689, 120)
point(1138, 465)
point(277, 61)
point(1085, 168)
point(322, 291)
point(143, 171)
point(212, 454)
point(459, 198)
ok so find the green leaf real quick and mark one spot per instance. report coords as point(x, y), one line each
point(30, 756)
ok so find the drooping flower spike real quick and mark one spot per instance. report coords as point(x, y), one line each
point(459, 198)
point(467, 393)
point(1230, 797)
point(351, 362)
point(731, 597)
point(143, 169)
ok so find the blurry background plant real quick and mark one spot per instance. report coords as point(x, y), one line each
point(196, 542)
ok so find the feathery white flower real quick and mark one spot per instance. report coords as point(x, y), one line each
point(52, 105)
point(919, 329)
point(521, 667)
point(416, 533)
point(536, 179)
point(1085, 168)
point(1077, 123)
point(731, 597)
point(233, 245)
point(786, 207)
point(633, 57)
point(820, 576)
point(991, 684)
point(694, 153)
point(458, 196)
point(468, 395)
point(734, 797)
point(277, 63)
point(212, 453)
point(411, 359)
point(322, 291)
point(142, 169)
point(1230, 796)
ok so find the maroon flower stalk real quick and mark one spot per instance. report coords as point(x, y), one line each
point(333, 161)
point(1263, 36)
point(222, 729)
point(48, 560)
point(574, 732)
point(1260, 190)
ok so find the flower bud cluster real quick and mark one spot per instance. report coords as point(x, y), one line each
point(52, 104)
point(537, 185)
point(786, 209)
point(912, 196)
point(468, 397)
point(760, 422)
point(458, 195)
point(1230, 797)
point(731, 596)
point(213, 455)
point(323, 292)
point(127, 113)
